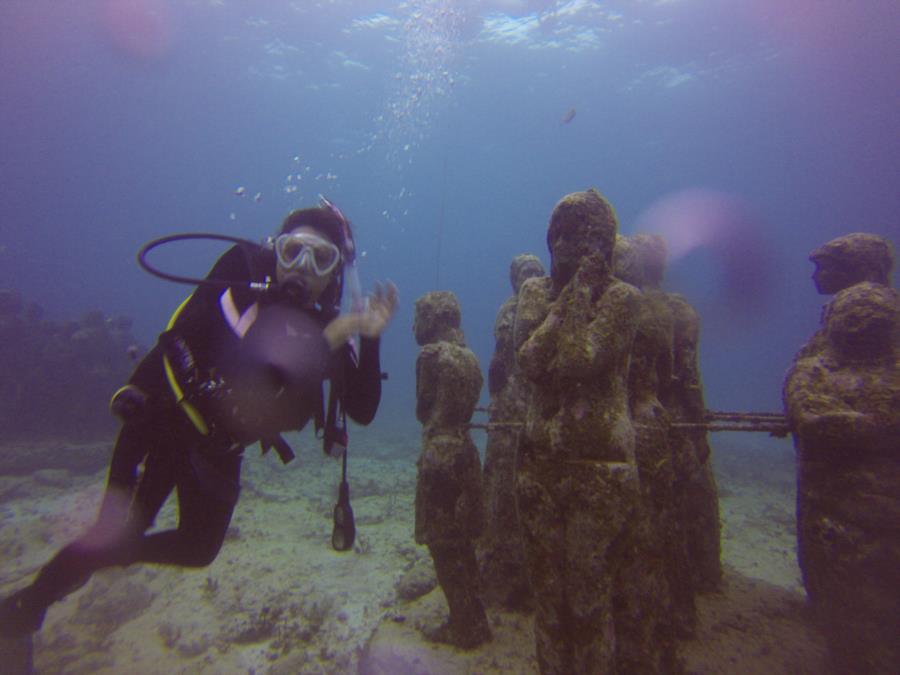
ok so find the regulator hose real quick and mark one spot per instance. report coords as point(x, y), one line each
point(245, 244)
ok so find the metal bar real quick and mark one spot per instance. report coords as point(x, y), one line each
point(772, 423)
point(731, 416)
point(495, 425)
point(767, 427)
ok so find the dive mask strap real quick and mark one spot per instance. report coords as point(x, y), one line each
point(349, 245)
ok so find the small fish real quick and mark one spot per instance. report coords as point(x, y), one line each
point(257, 197)
point(568, 117)
point(241, 191)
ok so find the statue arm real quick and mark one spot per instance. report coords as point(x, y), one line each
point(533, 334)
point(426, 383)
point(598, 346)
point(537, 356)
point(825, 423)
point(838, 431)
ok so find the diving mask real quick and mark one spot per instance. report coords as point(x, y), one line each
point(308, 252)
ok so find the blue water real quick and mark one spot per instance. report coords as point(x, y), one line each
point(436, 126)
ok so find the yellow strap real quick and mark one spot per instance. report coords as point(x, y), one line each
point(118, 391)
point(176, 313)
point(193, 414)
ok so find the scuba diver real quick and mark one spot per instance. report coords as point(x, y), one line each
point(243, 359)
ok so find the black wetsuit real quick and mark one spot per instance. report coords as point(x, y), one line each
point(204, 469)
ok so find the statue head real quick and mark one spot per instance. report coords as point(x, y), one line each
point(862, 322)
point(524, 267)
point(582, 223)
point(850, 260)
point(640, 260)
point(437, 319)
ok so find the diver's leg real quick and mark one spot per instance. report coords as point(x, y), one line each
point(207, 493)
point(72, 566)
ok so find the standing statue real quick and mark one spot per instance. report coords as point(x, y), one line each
point(843, 262)
point(500, 552)
point(842, 401)
point(449, 508)
point(640, 260)
point(672, 378)
point(577, 485)
point(696, 494)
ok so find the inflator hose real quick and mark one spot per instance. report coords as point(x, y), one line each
point(150, 245)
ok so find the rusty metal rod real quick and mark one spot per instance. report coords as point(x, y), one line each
point(739, 416)
point(768, 427)
point(495, 425)
point(773, 423)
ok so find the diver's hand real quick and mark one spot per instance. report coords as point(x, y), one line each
point(370, 323)
point(380, 310)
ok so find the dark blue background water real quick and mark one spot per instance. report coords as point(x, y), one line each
point(437, 127)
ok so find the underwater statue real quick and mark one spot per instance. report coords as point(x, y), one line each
point(500, 553)
point(449, 507)
point(696, 494)
point(577, 483)
point(664, 566)
point(842, 401)
point(844, 262)
point(675, 377)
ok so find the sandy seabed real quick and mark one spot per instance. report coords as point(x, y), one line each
point(279, 601)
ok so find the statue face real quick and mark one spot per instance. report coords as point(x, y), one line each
point(830, 276)
point(582, 224)
point(527, 271)
point(423, 327)
point(436, 317)
point(570, 246)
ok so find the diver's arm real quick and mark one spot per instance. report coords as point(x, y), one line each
point(363, 381)
point(368, 323)
point(362, 391)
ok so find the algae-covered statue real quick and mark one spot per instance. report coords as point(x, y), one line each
point(844, 262)
point(663, 564)
point(672, 377)
point(577, 478)
point(842, 400)
point(449, 507)
point(500, 553)
point(696, 493)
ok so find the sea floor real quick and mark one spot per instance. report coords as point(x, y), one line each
point(278, 600)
